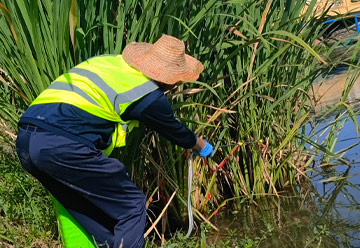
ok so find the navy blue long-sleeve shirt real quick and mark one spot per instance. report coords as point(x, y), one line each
point(154, 110)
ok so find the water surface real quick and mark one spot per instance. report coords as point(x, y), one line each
point(326, 212)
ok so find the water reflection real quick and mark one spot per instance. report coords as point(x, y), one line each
point(325, 211)
point(338, 189)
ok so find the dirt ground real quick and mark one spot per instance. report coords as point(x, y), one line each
point(328, 91)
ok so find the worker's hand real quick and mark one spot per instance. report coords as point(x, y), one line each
point(207, 151)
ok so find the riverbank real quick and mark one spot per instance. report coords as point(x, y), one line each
point(328, 91)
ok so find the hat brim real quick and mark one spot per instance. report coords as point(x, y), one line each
point(155, 68)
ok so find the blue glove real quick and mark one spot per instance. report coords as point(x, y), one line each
point(207, 151)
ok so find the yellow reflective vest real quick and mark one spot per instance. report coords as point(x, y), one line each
point(103, 86)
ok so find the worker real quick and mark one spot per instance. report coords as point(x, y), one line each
point(66, 135)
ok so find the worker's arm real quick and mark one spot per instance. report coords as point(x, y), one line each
point(156, 112)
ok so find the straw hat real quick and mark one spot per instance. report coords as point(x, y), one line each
point(164, 61)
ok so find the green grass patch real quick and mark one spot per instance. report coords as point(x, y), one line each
point(27, 217)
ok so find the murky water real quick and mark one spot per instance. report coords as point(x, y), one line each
point(338, 189)
point(326, 212)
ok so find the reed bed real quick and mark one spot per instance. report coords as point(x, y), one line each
point(251, 102)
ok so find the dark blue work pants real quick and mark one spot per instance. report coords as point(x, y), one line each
point(94, 188)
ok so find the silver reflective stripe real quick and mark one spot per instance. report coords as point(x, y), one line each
point(134, 93)
point(110, 92)
point(125, 127)
point(117, 99)
point(70, 87)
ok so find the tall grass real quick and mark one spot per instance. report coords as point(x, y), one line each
point(251, 102)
